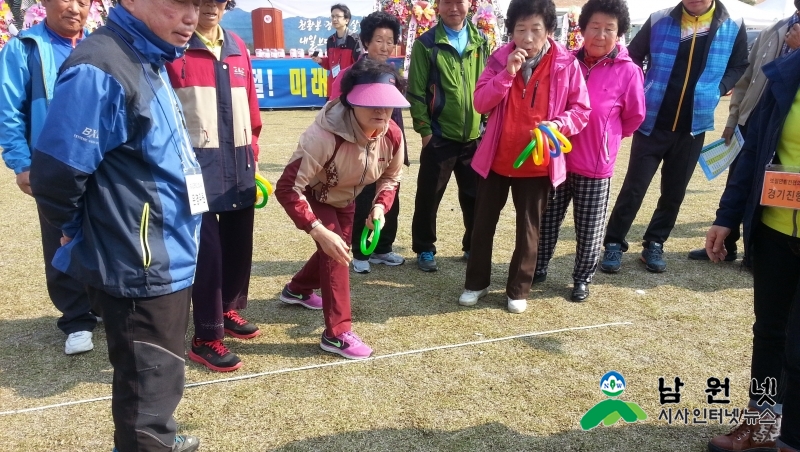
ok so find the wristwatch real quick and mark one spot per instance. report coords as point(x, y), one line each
point(314, 225)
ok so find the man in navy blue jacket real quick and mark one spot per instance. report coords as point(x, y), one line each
point(771, 240)
point(118, 177)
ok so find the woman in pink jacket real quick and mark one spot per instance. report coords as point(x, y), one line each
point(617, 97)
point(529, 82)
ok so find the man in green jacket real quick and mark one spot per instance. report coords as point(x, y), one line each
point(446, 62)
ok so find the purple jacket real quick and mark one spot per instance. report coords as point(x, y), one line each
point(618, 108)
point(569, 104)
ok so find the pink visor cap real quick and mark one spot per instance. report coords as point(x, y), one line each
point(376, 91)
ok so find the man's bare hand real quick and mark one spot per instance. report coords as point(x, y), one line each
point(793, 37)
point(727, 134)
point(426, 140)
point(715, 243)
point(24, 182)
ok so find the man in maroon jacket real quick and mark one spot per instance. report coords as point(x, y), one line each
point(214, 82)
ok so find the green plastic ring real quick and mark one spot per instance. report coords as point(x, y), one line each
point(263, 188)
point(525, 154)
point(376, 234)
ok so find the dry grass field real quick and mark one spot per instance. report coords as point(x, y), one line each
point(518, 394)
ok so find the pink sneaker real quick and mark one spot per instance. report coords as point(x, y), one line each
point(312, 301)
point(347, 344)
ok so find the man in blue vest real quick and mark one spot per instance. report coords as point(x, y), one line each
point(696, 53)
point(28, 68)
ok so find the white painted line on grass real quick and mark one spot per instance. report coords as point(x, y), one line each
point(332, 364)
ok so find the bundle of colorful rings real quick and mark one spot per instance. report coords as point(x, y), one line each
point(544, 137)
point(376, 234)
point(263, 190)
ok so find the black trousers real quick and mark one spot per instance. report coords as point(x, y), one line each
point(678, 151)
point(224, 262)
point(736, 233)
point(438, 160)
point(776, 331)
point(68, 294)
point(389, 231)
point(530, 195)
point(146, 348)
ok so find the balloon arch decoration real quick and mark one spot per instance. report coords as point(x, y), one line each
point(419, 16)
point(17, 15)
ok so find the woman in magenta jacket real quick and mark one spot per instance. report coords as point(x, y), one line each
point(615, 89)
point(530, 81)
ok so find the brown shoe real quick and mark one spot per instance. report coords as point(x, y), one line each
point(758, 437)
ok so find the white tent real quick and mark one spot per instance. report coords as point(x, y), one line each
point(753, 18)
point(777, 9)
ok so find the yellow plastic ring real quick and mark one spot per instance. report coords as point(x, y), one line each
point(538, 156)
point(265, 182)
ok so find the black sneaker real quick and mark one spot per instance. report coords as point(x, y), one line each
point(653, 258)
point(539, 277)
point(214, 355)
point(700, 254)
point(238, 327)
point(185, 443)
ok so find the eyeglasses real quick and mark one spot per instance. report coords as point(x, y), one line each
point(81, 3)
point(339, 17)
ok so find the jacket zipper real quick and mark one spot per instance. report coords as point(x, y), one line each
point(366, 163)
point(466, 99)
point(247, 156)
point(144, 224)
point(590, 69)
point(535, 90)
point(688, 72)
point(44, 78)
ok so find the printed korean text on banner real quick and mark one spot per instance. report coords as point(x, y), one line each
point(292, 82)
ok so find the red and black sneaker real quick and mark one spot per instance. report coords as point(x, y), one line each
point(214, 355)
point(238, 327)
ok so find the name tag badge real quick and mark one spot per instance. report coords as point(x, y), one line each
point(197, 191)
point(335, 71)
point(781, 187)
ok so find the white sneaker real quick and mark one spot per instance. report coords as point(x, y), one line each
point(78, 342)
point(390, 259)
point(361, 266)
point(517, 306)
point(471, 297)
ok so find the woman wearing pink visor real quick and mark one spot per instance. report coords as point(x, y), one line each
point(352, 143)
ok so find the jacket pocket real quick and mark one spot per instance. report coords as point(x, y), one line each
point(201, 138)
point(144, 224)
point(606, 153)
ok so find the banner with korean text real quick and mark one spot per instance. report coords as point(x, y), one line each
point(290, 83)
point(293, 82)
